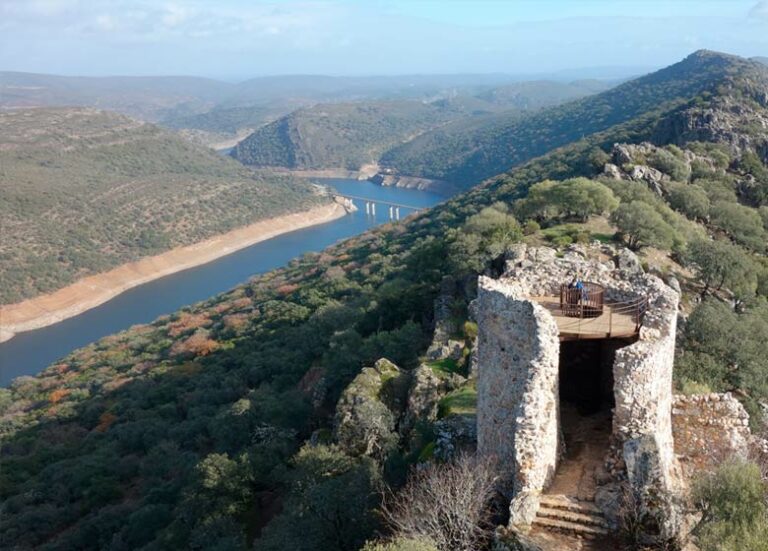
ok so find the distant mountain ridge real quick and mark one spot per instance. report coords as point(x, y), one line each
point(350, 135)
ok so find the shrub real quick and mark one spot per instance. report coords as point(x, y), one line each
point(531, 227)
point(742, 223)
point(484, 237)
point(732, 503)
point(642, 225)
point(666, 162)
point(691, 200)
point(401, 544)
point(572, 199)
point(720, 264)
point(445, 503)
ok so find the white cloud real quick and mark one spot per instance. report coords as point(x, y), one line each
point(106, 22)
point(759, 10)
point(175, 15)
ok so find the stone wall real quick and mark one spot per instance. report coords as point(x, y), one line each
point(518, 405)
point(518, 377)
point(709, 429)
point(642, 419)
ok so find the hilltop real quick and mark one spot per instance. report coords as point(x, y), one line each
point(82, 191)
point(251, 419)
point(467, 153)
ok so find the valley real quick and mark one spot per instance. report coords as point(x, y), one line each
point(342, 386)
point(94, 290)
point(55, 325)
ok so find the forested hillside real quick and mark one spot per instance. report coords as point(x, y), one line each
point(221, 427)
point(228, 123)
point(465, 154)
point(344, 135)
point(82, 191)
point(349, 135)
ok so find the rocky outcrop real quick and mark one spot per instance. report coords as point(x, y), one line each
point(366, 414)
point(455, 434)
point(445, 325)
point(426, 390)
point(741, 125)
point(389, 178)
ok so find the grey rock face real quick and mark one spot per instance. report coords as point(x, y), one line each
point(650, 176)
point(612, 171)
point(427, 388)
point(364, 423)
point(627, 261)
point(455, 433)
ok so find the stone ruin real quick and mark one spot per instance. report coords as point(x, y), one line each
point(518, 382)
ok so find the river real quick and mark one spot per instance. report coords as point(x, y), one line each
point(30, 352)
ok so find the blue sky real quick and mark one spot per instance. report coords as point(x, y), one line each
point(239, 39)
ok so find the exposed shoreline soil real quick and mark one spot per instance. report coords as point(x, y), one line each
point(371, 172)
point(97, 289)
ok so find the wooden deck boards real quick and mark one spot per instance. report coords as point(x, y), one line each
point(609, 324)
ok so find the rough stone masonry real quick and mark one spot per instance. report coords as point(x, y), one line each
point(518, 372)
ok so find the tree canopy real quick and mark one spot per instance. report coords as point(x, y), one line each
point(642, 225)
point(571, 199)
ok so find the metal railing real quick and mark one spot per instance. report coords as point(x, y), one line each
point(588, 305)
point(586, 301)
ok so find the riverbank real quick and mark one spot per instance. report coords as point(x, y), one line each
point(373, 173)
point(97, 289)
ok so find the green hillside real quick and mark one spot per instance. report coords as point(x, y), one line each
point(349, 135)
point(466, 154)
point(211, 428)
point(82, 191)
point(345, 135)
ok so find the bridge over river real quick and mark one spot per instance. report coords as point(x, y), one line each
point(370, 204)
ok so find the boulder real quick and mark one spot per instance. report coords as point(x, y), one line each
point(455, 433)
point(366, 414)
point(652, 177)
point(426, 390)
point(628, 262)
point(452, 349)
point(613, 172)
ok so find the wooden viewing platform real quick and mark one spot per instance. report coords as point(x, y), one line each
point(584, 314)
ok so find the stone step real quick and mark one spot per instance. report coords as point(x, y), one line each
point(572, 516)
point(570, 528)
point(566, 503)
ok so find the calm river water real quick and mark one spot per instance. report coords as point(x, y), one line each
point(30, 352)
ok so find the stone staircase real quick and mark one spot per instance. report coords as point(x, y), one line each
point(570, 516)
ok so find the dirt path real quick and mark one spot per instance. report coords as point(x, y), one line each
point(586, 443)
point(97, 289)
